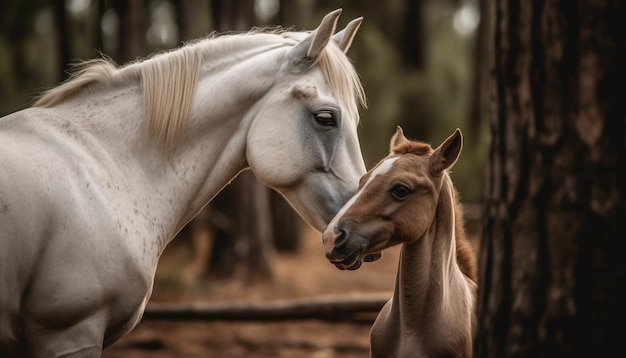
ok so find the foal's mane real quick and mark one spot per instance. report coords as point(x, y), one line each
point(168, 80)
point(464, 255)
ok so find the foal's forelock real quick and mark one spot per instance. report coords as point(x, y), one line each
point(168, 80)
point(381, 169)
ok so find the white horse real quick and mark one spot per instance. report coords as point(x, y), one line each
point(408, 199)
point(104, 170)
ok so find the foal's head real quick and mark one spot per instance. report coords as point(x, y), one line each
point(396, 201)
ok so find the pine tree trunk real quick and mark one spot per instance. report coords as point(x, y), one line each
point(552, 265)
point(63, 39)
point(132, 30)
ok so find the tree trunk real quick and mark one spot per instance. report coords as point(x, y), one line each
point(481, 64)
point(63, 39)
point(287, 224)
point(289, 14)
point(233, 15)
point(552, 265)
point(99, 38)
point(132, 30)
point(253, 236)
point(413, 44)
point(414, 37)
point(183, 18)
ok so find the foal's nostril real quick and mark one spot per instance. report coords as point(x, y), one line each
point(334, 239)
point(341, 236)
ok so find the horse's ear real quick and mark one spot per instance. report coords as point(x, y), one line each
point(397, 139)
point(344, 37)
point(306, 52)
point(447, 153)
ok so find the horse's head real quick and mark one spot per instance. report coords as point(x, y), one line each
point(396, 201)
point(303, 140)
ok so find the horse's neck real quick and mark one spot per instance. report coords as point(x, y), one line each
point(178, 182)
point(220, 118)
point(431, 295)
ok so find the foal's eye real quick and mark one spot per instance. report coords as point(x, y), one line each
point(400, 191)
point(325, 119)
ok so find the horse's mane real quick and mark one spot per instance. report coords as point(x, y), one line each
point(169, 79)
point(464, 255)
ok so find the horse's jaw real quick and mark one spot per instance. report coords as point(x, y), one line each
point(316, 210)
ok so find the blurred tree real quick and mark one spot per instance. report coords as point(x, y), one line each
point(63, 38)
point(233, 15)
point(414, 34)
point(481, 64)
point(241, 223)
point(290, 14)
point(414, 120)
point(183, 18)
point(132, 31)
point(552, 265)
point(99, 36)
point(17, 22)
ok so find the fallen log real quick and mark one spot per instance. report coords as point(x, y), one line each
point(361, 307)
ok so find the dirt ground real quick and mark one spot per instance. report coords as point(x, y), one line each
point(304, 274)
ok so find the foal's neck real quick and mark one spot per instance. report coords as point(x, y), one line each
point(432, 296)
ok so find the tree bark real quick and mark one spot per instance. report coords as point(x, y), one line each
point(480, 75)
point(414, 38)
point(233, 15)
point(289, 14)
point(286, 223)
point(552, 263)
point(63, 39)
point(183, 10)
point(254, 235)
point(132, 30)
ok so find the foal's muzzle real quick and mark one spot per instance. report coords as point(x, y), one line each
point(344, 250)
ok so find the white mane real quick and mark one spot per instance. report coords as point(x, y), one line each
point(169, 79)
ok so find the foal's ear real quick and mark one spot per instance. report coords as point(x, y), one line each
point(397, 139)
point(307, 51)
point(344, 37)
point(447, 153)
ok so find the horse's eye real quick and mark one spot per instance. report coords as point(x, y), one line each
point(400, 191)
point(325, 119)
